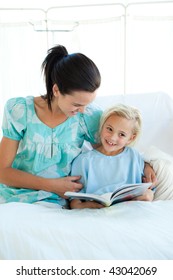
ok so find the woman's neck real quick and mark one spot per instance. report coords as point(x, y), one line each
point(51, 118)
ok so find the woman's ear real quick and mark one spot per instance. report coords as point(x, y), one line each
point(55, 90)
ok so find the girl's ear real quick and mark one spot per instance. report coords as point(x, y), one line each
point(132, 138)
point(55, 90)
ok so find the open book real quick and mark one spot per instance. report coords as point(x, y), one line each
point(125, 192)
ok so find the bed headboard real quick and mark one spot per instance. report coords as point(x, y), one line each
point(157, 113)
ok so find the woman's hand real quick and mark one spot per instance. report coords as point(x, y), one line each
point(64, 184)
point(149, 175)
point(147, 196)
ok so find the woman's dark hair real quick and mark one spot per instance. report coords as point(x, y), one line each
point(74, 72)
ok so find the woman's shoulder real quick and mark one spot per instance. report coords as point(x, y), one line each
point(18, 102)
point(15, 100)
point(93, 108)
point(15, 118)
point(91, 115)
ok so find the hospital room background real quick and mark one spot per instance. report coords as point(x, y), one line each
point(130, 41)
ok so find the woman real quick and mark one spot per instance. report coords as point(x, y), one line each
point(42, 135)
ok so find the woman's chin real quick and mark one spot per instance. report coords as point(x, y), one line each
point(71, 114)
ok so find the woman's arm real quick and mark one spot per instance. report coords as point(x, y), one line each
point(147, 196)
point(20, 179)
point(149, 175)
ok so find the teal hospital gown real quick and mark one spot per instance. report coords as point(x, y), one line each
point(44, 151)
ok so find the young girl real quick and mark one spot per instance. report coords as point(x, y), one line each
point(113, 163)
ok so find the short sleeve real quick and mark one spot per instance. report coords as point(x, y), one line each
point(90, 123)
point(14, 118)
point(80, 168)
point(141, 162)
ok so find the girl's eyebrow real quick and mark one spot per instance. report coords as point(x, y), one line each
point(109, 125)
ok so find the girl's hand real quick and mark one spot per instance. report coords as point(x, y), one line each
point(78, 204)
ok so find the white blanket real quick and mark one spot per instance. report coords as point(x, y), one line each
point(129, 230)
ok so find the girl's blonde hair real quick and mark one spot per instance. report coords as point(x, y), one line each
point(127, 112)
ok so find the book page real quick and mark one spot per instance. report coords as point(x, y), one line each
point(130, 187)
point(131, 193)
point(123, 190)
point(106, 196)
point(86, 196)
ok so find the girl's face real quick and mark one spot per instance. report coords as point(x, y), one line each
point(117, 132)
point(71, 104)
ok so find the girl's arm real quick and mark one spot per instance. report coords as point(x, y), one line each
point(20, 179)
point(78, 204)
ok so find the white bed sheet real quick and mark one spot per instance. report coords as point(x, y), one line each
point(126, 231)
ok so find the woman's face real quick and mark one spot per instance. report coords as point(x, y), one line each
point(71, 104)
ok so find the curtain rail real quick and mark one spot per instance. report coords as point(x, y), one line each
point(90, 5)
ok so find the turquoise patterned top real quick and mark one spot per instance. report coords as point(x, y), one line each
point(44, 151)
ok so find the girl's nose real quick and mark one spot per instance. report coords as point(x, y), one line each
point(114, 137)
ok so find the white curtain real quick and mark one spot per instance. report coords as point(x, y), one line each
point(132, 46)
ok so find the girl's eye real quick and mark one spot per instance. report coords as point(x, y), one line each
point(122, 135)
point(109, 128)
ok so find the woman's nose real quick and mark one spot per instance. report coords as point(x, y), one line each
point(81, 109)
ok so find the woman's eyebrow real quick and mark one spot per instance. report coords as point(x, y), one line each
point(77, 104)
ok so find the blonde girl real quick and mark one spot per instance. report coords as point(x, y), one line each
point(114, 162)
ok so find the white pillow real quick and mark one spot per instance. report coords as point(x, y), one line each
point(162, 164)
